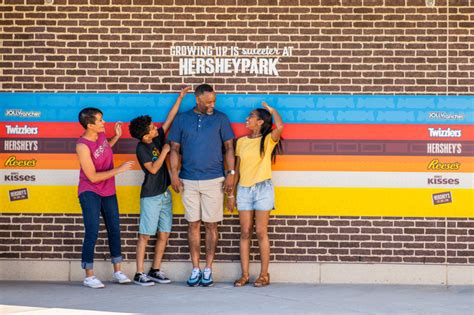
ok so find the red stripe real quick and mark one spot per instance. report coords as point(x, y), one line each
point(291, 131)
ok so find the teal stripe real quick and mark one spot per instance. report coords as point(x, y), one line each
point(296, 108)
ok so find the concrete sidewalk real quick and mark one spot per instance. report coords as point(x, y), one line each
point(223, 298)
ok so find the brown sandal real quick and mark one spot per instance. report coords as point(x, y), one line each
point(242, 281)
point(262, 281)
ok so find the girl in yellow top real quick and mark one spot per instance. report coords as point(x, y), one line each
point(255, 194)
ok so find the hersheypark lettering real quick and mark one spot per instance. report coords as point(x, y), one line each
point(257, 66)
point(195, 60)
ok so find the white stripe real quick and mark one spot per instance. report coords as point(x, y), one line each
point(280, 178)
point(66, 178)
point(369, 179)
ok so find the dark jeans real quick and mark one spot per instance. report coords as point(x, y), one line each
point(92, 206)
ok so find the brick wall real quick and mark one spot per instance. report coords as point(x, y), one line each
point(341, 46)
point(293, 239)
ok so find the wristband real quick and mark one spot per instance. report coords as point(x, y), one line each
point(230, 196)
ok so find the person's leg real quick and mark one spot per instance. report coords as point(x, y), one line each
point(212, 238)
point(165, 222)
point(212, 201)
point(160, 246)
point(111, 217)
point(192, 213)
point(194, 241)
point(264, 203)
point(246, 227)
point(141, 247)
point(149, 217)
point(261, 227)
point(90, 205)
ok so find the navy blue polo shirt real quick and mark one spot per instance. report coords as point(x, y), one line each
point(202, 140)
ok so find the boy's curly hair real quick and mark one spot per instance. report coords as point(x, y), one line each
point(139, 126)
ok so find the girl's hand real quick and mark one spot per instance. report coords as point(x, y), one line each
point(230, 204)
point(267, 107)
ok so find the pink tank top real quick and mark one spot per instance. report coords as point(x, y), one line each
point(102, 157)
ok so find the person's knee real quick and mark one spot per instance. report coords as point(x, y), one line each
point(245, 234)
point(144, 237)
point(262, 234)
point(194, 225)
point(91, 235)
point(211, 226)
point(163, 236)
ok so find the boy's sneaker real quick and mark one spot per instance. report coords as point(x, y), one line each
point(207, 278)
point(158, 276)
point(93, 282)
point(142, 279)
point(195, 278)
point(120, 277)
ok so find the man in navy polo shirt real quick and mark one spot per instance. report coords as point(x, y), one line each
point(204, 139)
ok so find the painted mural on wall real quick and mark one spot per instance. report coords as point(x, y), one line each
point(351, 155)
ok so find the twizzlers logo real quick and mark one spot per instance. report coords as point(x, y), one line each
point(21, 130)
point(444, 133)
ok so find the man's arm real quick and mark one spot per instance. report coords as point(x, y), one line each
point(174, 163)
point(174, 110)
point(230, 163)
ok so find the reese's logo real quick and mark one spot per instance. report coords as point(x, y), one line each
point(12, 161)
point(436, 165)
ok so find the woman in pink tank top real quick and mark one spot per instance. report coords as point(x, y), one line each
point(97, 192)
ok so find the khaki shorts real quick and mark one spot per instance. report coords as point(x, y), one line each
point(203, 200)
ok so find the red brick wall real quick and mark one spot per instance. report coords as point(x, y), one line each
point(341, 46)
point(293, 239)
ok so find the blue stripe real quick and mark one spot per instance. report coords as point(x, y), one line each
point(296, 108)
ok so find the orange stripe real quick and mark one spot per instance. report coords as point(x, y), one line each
point(284, 162)
point(60, 161)
point(367, 163)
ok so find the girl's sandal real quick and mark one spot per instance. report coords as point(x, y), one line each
point(262, 281)
point(242, 281)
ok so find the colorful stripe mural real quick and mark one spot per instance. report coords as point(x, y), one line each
point(344, 155)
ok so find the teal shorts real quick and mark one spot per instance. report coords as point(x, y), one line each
point(156, 214)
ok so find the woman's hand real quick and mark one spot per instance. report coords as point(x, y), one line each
point(118, 129)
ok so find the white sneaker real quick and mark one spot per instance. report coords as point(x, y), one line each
point(120, 277)
point(93, 282)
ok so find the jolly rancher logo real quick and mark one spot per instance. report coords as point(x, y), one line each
point(229, 60)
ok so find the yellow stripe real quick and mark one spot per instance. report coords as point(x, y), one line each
point(296, 201)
